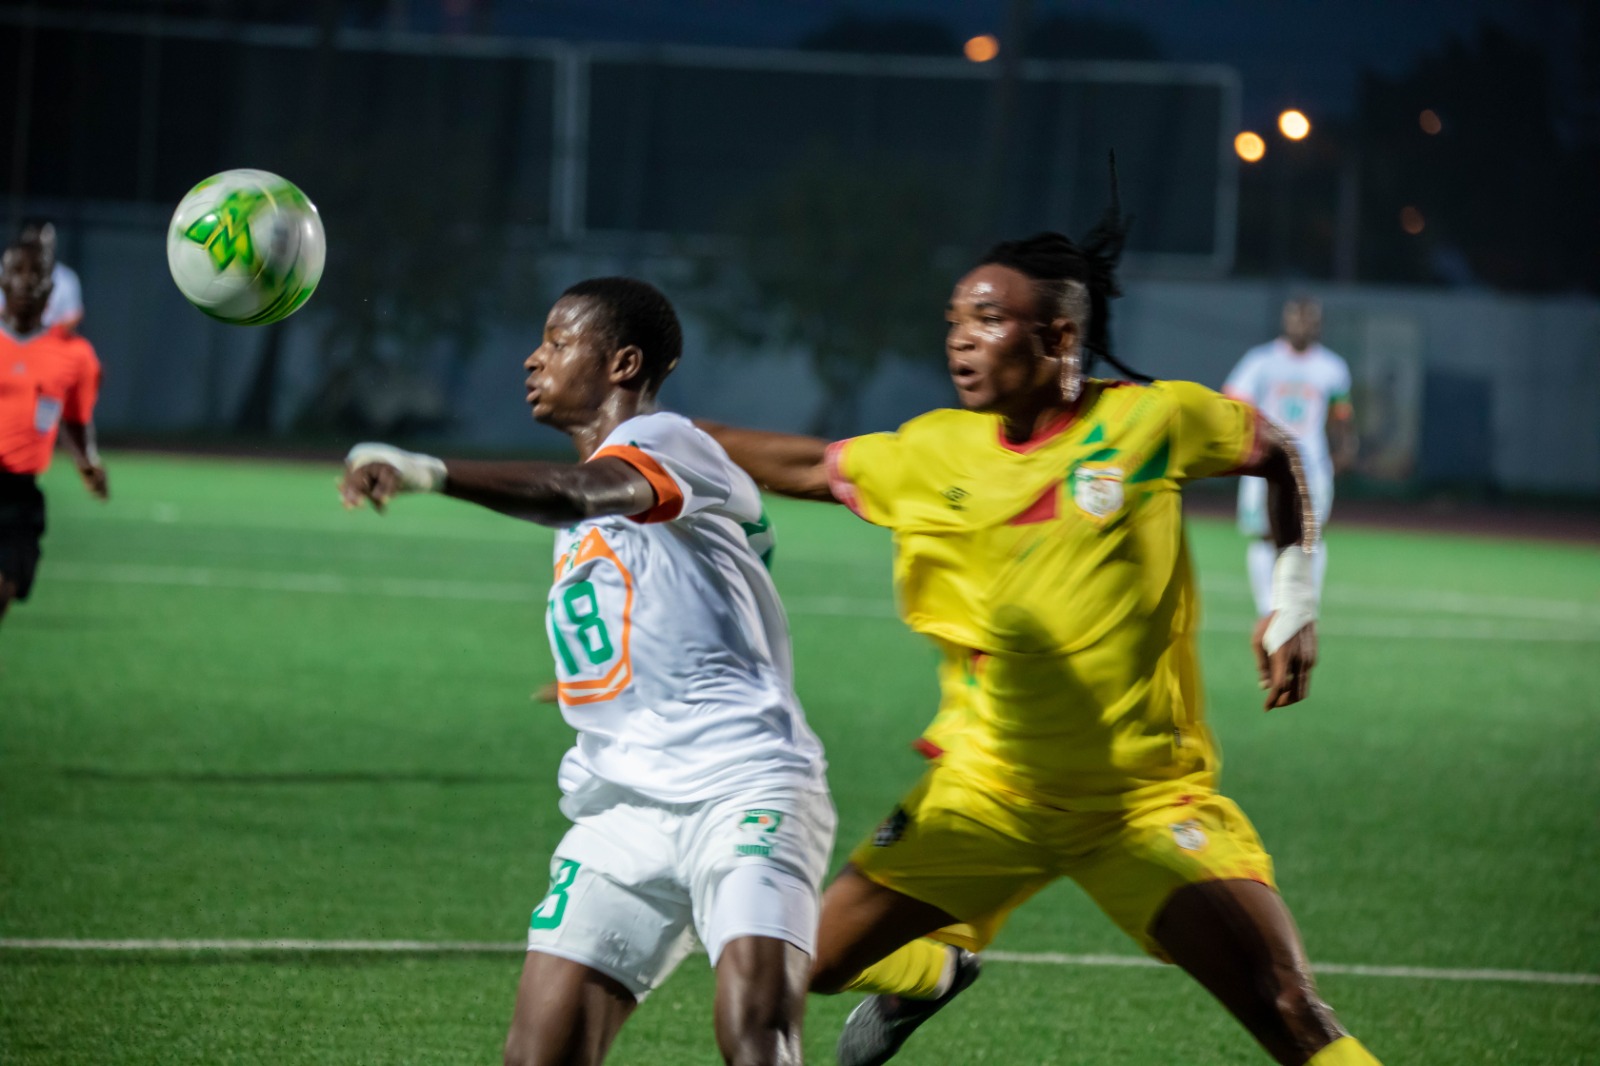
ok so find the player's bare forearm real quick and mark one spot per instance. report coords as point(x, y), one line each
point(1342, 443)
point(785, 463)
point(78, 438)
point(1284, 660)
point(552, 494)
point(1289, 509)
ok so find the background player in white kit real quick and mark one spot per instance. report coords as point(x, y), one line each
point(695, 788)
point(1305, 389)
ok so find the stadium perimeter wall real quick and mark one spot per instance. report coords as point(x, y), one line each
point(1470, 388)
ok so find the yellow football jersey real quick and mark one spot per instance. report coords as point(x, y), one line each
point(1055, 577)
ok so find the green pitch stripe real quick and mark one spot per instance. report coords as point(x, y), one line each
point(1376, 626)
point(1030, 958)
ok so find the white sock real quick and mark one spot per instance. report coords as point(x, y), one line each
point(1260, 556)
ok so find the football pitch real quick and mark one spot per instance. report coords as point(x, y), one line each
point(233, 712)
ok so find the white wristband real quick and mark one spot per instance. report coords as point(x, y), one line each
point(1294, 597)
point(418, 472)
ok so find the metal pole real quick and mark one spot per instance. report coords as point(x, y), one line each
point(569, 165)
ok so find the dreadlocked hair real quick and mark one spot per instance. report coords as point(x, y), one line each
point(636, 312)
point(1076, 281)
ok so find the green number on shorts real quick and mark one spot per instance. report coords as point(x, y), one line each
point(583, 608)
point(547, 915)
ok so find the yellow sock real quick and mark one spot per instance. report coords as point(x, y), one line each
point(1345, 1051)
point(915, 971)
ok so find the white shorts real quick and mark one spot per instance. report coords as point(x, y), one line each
point(634, 880)
point(1253, 502)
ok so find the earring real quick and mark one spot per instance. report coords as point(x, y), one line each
point(1071, 377)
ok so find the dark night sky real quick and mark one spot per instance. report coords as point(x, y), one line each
point(1301, 52)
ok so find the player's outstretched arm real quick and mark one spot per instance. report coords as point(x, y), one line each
point(784, 463)
point(1285, 641)
point(79, 439)
point(552, 494)
point(1342, 441)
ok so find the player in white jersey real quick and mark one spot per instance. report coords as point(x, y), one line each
point(695, 787)
point(1305, 389)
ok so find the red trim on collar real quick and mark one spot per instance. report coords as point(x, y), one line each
point(1041, 438)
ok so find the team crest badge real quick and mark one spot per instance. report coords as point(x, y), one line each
point(892, 829)
point(758, 832)
point(1189, 835)
point(1097, 492)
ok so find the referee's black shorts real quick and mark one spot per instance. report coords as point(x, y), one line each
point(21, 526)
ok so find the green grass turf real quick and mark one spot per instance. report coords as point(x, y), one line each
point(311, 747)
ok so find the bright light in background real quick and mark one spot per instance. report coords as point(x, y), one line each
point(1294, 125)
point(1411, 220)
point(1429, 121)
point(981, 49)
point(1250, 146)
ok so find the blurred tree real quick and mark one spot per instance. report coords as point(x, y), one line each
point(413, 160)
point(419, 185)
point(842, 259)
point(884, 36)
point(1501, 194)
point(1493, 187)
point(1082, 36)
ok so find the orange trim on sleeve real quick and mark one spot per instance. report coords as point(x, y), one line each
point(839, 483)
point(669, 497)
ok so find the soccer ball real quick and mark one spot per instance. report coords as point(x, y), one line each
point(246, 246)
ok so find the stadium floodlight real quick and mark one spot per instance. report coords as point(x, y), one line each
point(1429, 121)
point(982, 48)
point(1250, 146)
point(1411, 220)
point(1294, 125)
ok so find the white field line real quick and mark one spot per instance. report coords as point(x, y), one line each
point(1436, 601)
point(1033, 958)
point(1548, 630)
point(1425, 973)
point(393, 947)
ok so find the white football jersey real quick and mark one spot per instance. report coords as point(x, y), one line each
point(1295, 390)
point(671, 647)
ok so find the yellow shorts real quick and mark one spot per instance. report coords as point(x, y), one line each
point(977, 852)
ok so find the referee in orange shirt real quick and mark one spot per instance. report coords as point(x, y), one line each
point(49, 379)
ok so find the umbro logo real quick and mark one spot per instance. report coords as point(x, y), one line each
point(955, 495)
point(892, 829)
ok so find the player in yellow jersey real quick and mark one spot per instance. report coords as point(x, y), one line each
point(1040, 544)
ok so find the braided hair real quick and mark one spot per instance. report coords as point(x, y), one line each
point(1076, 281)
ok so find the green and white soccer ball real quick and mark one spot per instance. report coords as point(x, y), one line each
point(246, 246)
